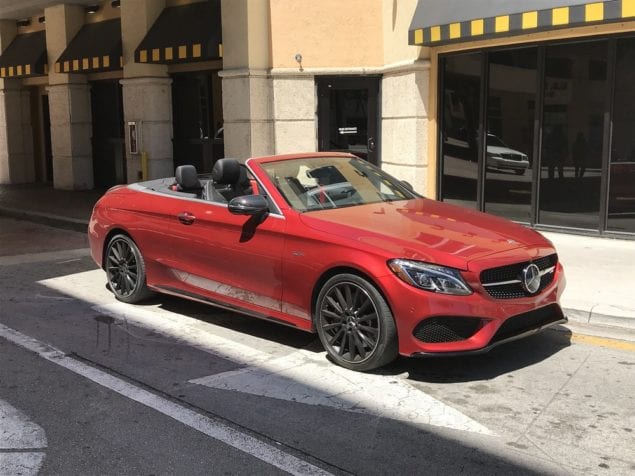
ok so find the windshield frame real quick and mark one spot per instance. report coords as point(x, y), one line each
point(304, 179)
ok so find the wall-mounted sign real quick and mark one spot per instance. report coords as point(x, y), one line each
point(347, 130)
point(133, 138)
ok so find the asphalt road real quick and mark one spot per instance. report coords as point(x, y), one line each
point(92, 386)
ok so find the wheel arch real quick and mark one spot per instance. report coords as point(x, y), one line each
point(109, 235)
point(328, 274)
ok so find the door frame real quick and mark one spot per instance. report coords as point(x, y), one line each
point(373, 85)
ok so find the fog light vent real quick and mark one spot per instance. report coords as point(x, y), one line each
point(446, 329)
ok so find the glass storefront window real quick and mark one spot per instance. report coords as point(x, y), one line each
point(575, 95)
point(621, 204)
point(461, 109)
point(511, 107)
point(564, 177)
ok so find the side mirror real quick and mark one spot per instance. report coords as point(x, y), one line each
point(248, 205)
point(407, 185)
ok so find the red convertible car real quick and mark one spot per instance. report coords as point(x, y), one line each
point(328, 243)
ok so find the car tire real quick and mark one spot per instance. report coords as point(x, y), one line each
point(125, 270)
point(355, 323)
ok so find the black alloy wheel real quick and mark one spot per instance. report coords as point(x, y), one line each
point(355, 324)
point(125, 270)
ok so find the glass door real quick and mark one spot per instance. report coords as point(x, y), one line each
point(575, 103)
point(460, 134)
point(511, 110)
point(621, 199)
point(348, 116)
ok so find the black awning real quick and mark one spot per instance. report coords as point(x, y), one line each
point(438, 22)
point(96, 47)
point(183, 34)
point(25, 56)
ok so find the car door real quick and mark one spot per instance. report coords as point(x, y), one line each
point(233, 259)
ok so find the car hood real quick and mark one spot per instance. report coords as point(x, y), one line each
point(425, 230)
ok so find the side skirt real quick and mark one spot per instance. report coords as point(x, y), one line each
point(228, 307)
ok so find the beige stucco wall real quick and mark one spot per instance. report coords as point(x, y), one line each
point(396, 18)
point(327, 33)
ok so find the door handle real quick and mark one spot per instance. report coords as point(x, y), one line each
point(371, 144)
point(186, 218)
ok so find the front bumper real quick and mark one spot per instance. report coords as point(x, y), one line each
point(528, 331)
point(501, 163)
point(498, 320)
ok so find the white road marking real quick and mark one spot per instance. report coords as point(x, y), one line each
point(303, 376)
point(205, 425)
point(22, 442)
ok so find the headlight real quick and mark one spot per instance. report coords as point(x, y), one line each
point(430, 277)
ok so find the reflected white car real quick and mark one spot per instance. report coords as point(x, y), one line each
point(501, 157)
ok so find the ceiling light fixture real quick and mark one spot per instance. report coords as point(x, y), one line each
point(42, 19)
point(92, 9)
point(115, 3)
point(24, 22)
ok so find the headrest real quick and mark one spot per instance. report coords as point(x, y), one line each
point(226, 171)
point(185, 176)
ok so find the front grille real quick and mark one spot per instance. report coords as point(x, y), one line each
point(493, 278)
point(446, 329)
point(528, 321)
point(512, 157)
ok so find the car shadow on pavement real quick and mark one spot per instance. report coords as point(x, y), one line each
point(501, 360)
point(263, 329)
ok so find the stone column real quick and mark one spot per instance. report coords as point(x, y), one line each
point(404, 111)
point(148, 102)
point(69, 104)
point(147, 94)
point(16, 136)
point(247, 84)
point(294, 113)
point(71, 132)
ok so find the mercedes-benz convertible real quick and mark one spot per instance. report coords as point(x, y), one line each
point(328, 243)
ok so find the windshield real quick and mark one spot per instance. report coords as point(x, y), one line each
point(316, 183)
point(495, 141)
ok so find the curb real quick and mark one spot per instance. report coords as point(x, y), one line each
point(594, 318)
point(58, 221)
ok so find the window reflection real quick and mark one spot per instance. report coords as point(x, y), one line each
point(461, 105)
point(621, 206)
point(573, 125)
point(511, 105)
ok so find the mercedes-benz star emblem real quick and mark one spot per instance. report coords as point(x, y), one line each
point(531, 278)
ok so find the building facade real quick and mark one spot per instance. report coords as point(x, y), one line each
point(533, 107)
point(516, 108)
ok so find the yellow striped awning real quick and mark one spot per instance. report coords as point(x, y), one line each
point(438, 22)
point(96, 47)
point(25, 56)
point(183, 34)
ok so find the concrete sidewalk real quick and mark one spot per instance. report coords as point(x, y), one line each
point(70, 209)
point(600, 271)
point(600, 279)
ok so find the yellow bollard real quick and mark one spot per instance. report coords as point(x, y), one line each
point(144, 165)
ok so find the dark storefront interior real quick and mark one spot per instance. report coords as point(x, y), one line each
point(197, 116)
point(543, 134)
point(109, 159)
